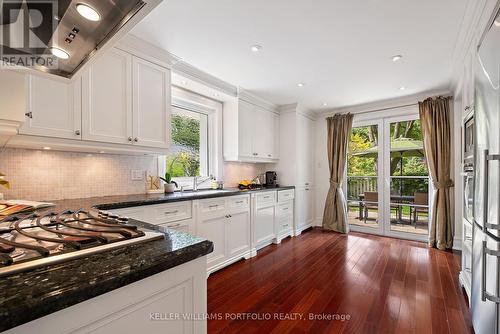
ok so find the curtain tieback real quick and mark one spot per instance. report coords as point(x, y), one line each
point(443, 184)
point(335, 184)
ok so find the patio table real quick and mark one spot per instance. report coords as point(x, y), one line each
point(396, 199)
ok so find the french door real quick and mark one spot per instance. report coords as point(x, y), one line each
point(387, 182)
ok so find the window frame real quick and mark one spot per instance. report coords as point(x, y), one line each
point(193, 102)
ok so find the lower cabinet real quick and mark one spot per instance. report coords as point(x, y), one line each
point(225, 222)
point(264, 217)
point(162, 303)
point(304, 209)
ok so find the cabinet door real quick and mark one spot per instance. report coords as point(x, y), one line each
point(246, 123)
point(107, 99)
point(54, 108)
point(238, 234)
point(263, 134)
point(151, 104)
point(276, 137)
point(264, 224)
point(214, 229)
point(310, 209)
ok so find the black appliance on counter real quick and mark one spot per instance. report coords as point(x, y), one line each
point(271, 179)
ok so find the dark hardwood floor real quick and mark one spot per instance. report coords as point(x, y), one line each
point(385, 285)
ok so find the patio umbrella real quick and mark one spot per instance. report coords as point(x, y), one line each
point(401, 147)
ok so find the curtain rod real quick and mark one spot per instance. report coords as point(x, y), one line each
point(386, 108)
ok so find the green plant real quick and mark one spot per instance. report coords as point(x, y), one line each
point(4, 182)
point(168, 179)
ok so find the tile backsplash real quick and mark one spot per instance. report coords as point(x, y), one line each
point(52, 175)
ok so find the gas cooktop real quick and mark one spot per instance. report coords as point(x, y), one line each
point(34, 240)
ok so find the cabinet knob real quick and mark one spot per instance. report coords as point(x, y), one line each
point(136, 139)
point(77, 132)
point(269, 155)
point(129, 138)
point(29, 114)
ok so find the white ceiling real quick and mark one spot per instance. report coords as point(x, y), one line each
point(340, 49)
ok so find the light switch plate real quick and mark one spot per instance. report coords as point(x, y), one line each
point(137, 175)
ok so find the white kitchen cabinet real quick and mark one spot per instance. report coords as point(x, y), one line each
point(297, 162)
point(214, 229)
point(139, 307)
point(13, 107)
point(107, 99)
point(151, 104)
point(251, 133)
point(284, 214)
point(53, 108)
point(238, 234)
point(225, 222)
point(264, 217)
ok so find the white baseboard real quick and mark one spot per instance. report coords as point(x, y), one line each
point(457, 243)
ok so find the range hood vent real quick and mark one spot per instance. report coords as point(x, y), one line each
point(33, 33)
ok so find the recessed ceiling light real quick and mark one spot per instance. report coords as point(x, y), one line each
point(301, 84)
point(396, 58)
point(46, 148)
point(402, 88)
point(497, 23)
point(59, 53)
point(325, 104)
point(256, 48)
point(88, 12)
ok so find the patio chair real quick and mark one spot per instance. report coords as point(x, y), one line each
point(370, 201)
point(422, 202)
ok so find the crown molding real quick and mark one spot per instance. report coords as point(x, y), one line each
point(147, 51)
point(257, 100)
point(186, 70)
point(384, 104)
point(298, 109)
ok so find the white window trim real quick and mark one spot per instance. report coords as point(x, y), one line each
point(213, 109)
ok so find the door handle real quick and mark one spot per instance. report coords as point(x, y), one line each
point(485, 295)
point(487, 159)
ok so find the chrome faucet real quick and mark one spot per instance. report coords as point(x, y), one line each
point(196, 183)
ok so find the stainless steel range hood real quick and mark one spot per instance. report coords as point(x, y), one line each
point(58, 28)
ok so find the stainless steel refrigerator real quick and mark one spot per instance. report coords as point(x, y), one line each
point(486, 233)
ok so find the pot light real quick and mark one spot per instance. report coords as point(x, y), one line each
point(88, 12)
point(497, 23)
point(102, 152)
point(396, 58)
point(325, 104)
point(47, 148)
point(301, 84)
point(402, 88)
point(256, 48)
point(59, 53)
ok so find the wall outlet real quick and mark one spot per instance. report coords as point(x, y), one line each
point(137, 175)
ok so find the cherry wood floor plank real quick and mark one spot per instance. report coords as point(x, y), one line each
point(384, 285)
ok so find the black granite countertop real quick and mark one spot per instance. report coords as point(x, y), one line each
point(29, 295)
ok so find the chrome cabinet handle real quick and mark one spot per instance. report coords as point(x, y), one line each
point(77, 132)
point(266, 197)
point(213, 206)
point(228, 216)
point(487, 158)
point(485, 294)
point(269, 155)
point(171, 212)
point(239, 202)
point(129, 138)
point(136, 139)
point(29, 114)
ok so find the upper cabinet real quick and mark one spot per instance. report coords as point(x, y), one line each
point(121, 104)
point(53, 108)
point(107, 99)
point(251, 133)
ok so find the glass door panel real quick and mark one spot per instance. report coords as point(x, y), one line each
point(409, 179)
point(362, 178)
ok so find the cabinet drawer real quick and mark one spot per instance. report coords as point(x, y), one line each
point(212, 205)
point(265, 198)
point(285, 195)
point(238, 203)
point(285, 209)
point(285, 225)
point(171, 212)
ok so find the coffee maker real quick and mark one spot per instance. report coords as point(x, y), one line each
point(271, 179)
